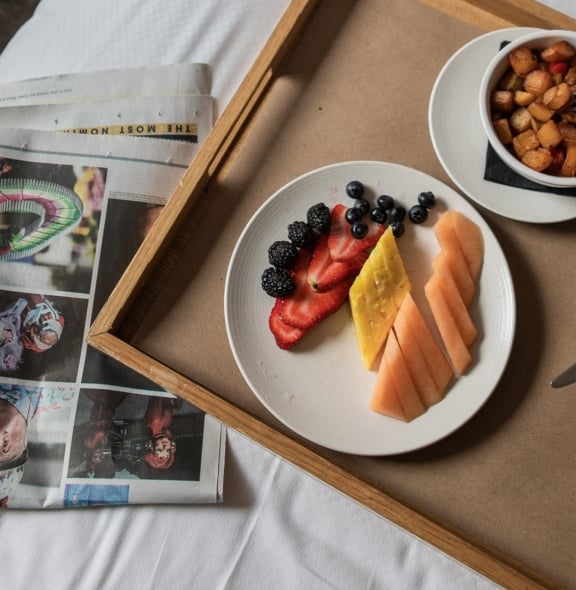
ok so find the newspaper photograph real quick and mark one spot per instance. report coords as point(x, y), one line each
point(78, 427)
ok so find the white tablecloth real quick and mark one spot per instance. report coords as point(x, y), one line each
point(277, 527)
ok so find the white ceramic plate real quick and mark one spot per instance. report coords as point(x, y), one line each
point(320, 389)
point(460, 143)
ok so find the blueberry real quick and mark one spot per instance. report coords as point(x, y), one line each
point(385, 202)
point(397, 213)
point(418, 214)
point(352, 215)
point(359, 229)
point(355, 189)
point(397, 228)
point(363, 205)
point(427, 199)
point(378, 215)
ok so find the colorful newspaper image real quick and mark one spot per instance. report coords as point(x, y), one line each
point(79, 428)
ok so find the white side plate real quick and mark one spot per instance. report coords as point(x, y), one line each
point(460, 142)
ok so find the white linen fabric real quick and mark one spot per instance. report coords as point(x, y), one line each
point(277, 527)
point(66, 36)
point(565, 6)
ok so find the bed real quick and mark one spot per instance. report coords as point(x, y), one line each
point(276, 526)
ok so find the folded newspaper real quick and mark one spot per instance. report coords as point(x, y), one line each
point(76, 200)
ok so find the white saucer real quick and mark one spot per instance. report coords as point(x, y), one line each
point(460, 144)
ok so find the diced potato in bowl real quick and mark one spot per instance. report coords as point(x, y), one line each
point(528, 106)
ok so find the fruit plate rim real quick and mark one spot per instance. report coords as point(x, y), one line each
point(320, 389)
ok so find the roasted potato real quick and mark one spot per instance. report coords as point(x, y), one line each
point(559, 51)
point(549, 135)
point(524, 142)
point(538, 159)
point(539, 122)
point(538, 81)
point(569, 165)
point(522, 61)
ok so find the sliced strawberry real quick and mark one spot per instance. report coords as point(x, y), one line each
point(285, 335)
point(306, 307)
point(343, 246)
point(325, 273)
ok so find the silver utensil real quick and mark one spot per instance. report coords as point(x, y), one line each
point(567, 377)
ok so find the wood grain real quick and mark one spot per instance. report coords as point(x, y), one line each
point(499, 14)
point(487, 561)
point(205, 165)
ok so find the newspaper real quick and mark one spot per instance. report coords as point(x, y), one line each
point(167, 102)
point(78, 427)
point(167, 80)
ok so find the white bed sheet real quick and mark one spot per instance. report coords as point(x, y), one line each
point(277, 527)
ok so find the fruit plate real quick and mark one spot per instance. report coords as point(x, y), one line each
point(320, 388)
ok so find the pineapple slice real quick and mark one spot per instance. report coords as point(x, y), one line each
point(376, 295)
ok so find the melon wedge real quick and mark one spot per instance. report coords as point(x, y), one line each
point(446, 234)
point(471, 241)
point(457, 351)
point(440, 368)
point(385, 398)
point(454, 260)
point(459, 309)
point(426, 363)
point(393, 370)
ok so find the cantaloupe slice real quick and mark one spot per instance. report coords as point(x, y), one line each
point(395, 371)
point(420, 369)
point(457, 351)
point(454, 260)
point(471, 241)
point(385, 398)
point(446, 233)
point(453, 297)
point(440, 368)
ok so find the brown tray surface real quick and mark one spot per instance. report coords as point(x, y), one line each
point(357, 87)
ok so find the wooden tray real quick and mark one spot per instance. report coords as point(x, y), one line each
point(351, 81)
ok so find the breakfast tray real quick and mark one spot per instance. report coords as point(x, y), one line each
point(351, 81)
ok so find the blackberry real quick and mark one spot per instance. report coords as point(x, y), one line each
point(277, 282)
point(301, 234)
point(318, 217)
point(282, 254)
